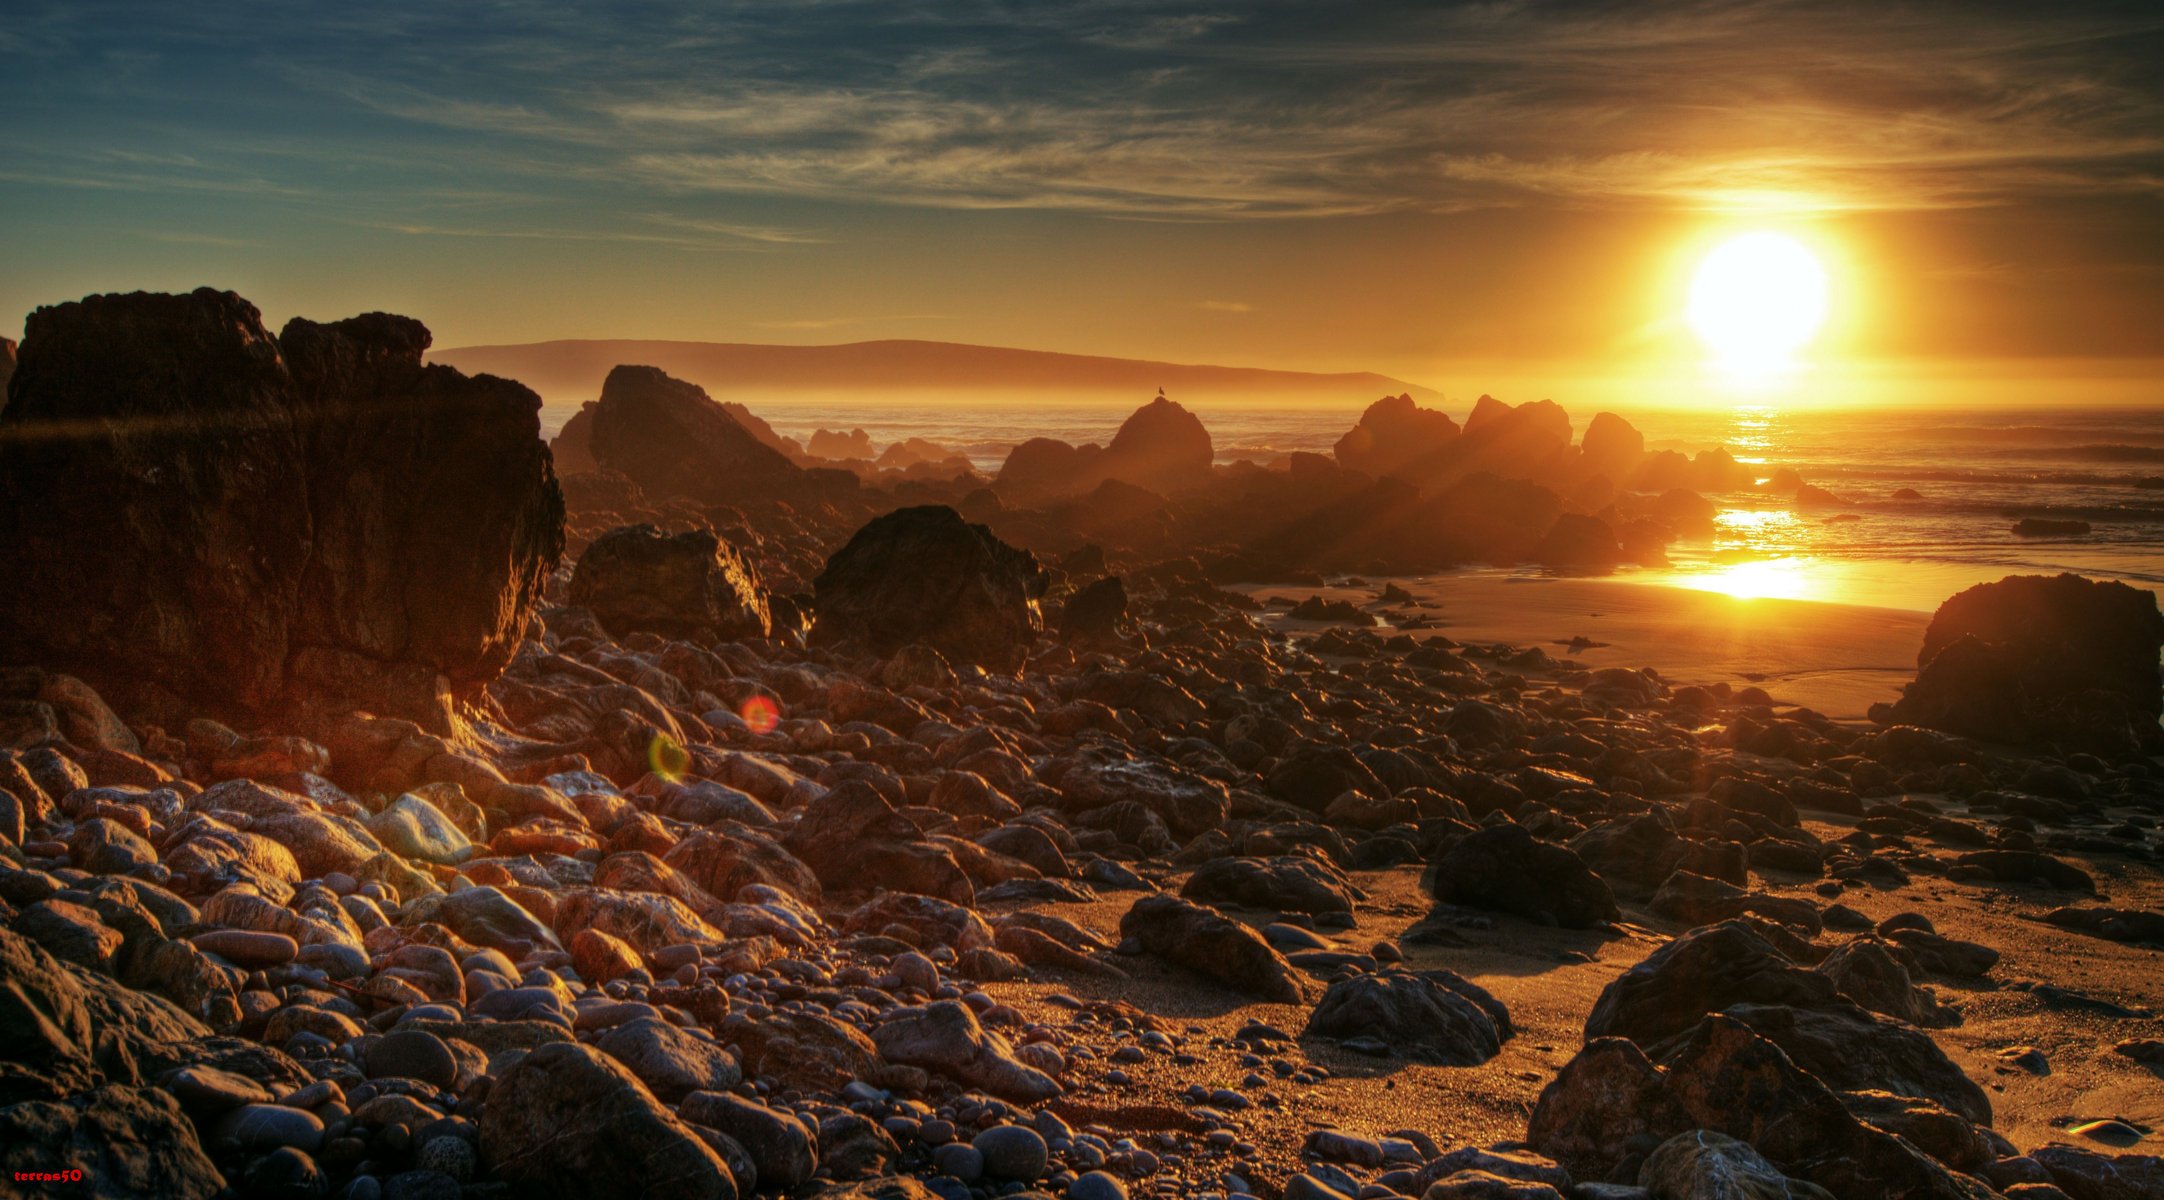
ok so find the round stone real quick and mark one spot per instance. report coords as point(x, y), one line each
point(960, 1161)
point(451, 1155)
point(269, 1126)
point(1096, 1185)
point(411, 1054)
point(1013, 1152)
point(284, 1174)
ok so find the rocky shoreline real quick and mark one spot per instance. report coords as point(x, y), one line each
point(387, 815)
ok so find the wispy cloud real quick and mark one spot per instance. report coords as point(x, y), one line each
point(1144, 108)
point(1226, 306)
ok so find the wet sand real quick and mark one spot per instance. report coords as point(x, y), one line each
point(1836, 658)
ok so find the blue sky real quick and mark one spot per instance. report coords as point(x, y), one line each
point(1303, 184)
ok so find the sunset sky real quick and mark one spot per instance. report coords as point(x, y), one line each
point(1411, 188)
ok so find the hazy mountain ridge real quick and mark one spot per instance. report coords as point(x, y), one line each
point(572, 369)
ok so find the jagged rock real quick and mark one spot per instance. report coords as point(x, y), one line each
point(945, 1036)
point(1432, 1016)
point(126, 1142)
point(691, 585)
point(1288, 883)
point(348, 470)
point(1392, 432)
point(1203, 940)
point(1504, 867)
point(925, 575)
point(672, 440)
point(2040, 661)
point(568, 1118)
point(1704, 1165)
point(1867, 972)
point(1610, 1108)
point(1703, 971)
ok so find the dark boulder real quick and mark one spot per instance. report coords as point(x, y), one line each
point(1504, 867)
point(1702, 971)
point(1094, 613)
point(248, 526)
point(126, 1143)
point(672, 439)
point(1289, 883)
point(1432, 1016)
point(1208, 943)
point(925, 575)
point(2040, 661)
point(1041, 469)
point(568, 1118)
point(1611, 1108)
point(691, 585)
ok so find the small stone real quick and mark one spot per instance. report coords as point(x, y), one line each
point(1013, 1152)
point(959, 1160)
point(248, 947)
point(1096, 1185)
point(411, 1054)
point(269, 1126)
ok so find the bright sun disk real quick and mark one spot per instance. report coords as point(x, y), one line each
point(1756, 300)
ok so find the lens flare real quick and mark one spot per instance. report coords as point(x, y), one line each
point(667, 758)
point(760, 715)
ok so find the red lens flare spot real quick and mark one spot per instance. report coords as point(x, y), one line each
point(760, 715)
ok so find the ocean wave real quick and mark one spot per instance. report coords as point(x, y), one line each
point(2095, 452)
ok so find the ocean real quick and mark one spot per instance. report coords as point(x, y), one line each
point(1976, 472)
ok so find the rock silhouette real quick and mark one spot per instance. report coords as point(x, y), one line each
point(316, 519)
point(672, 439)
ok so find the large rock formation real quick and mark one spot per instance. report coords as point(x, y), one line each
point(7, 369)
point(200, 517)
point(1160, 446)
point(672, 439)
point(1392, 432)
point(925, 575)
point(691, 586)
point(2037, 661)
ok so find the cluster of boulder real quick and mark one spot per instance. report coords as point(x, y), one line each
point(784, 846)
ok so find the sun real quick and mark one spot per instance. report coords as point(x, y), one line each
point(1756, 300)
